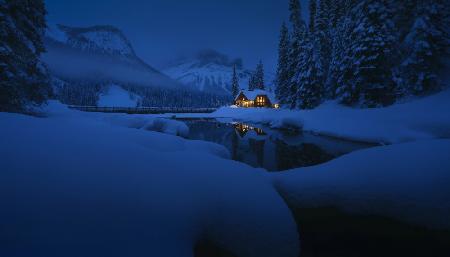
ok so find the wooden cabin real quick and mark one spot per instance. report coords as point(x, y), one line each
point(256, 98)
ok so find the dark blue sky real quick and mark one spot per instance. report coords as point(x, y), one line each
point(160, 30)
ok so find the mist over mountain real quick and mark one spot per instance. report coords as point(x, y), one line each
point(210, 71)
point(98, 53)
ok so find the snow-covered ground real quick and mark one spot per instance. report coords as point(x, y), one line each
point(116, 96)
point(76, 184)
point(107, 184)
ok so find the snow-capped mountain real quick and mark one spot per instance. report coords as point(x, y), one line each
point(210, 71)
point(103, 39)
point(99, 53)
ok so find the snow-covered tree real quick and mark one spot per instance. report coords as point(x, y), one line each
point(366, 76)
point(337, 11)
point(312, 16)
point(252, 82)
point(311, 91)
point(297, 49)
point(282, 80)
point(323, 35)
point(424, 46)
point(234, 83)
point(24, 81)
point(259, 76)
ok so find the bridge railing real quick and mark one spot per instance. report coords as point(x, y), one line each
point(142, 110)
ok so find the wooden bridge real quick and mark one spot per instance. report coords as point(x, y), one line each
point(142, 110)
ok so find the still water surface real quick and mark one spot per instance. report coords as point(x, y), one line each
point(273, 150)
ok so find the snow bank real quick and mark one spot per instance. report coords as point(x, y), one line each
point(81, 182)
point(426, 118)
point(116, 96)
point(406, 181)
point(167, 126)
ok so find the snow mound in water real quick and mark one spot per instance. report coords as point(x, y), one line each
point(172, 127)
point(407, 181)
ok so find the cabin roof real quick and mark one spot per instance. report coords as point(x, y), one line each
point(252, 94)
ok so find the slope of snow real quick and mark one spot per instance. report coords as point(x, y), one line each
point(420, 119)
point(92, 184)
point(116, 96)
point(409, 182)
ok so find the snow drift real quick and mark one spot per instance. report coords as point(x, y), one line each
point(85, 184)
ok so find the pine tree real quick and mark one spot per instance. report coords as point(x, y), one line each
point(311, 92)
point(367, 76)
point(323, 34)
point(282, 80)
point(337, 11)
point(234, 83)
point(424, 46)
point(259, 76)
point(340, 65)
point(24, 80)
point(312, 16)
point(297, 49)
point(252, 82)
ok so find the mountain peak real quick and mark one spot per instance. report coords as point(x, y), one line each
point(208, 56)
point(100, 39)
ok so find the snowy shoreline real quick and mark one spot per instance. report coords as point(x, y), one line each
point(422, 119)
point(180, 189)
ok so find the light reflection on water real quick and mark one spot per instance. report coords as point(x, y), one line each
point(273, 150)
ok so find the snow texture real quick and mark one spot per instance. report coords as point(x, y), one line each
point(116, 96)
point(93, 184)
point(408, 182)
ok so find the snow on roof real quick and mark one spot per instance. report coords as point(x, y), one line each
point(252, 94)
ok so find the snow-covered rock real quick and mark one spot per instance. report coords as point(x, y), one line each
point(408, 182)
point(211, 71)
point(168, 126)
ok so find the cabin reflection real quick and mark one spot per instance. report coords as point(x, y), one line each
point(243, 129)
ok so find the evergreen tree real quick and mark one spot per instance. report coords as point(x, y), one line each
point(252, 82)
point(297, 49)
point(24, 80)
point(323, 34)
point(311, 91)
point(312, 16)
point(235, 83)
point(340, 65)
point(424, 47)
point(368, 73)
point(259, 76)
point(337, 11)
point(282, 80)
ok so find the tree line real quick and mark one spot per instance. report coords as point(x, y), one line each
point(365, 53)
